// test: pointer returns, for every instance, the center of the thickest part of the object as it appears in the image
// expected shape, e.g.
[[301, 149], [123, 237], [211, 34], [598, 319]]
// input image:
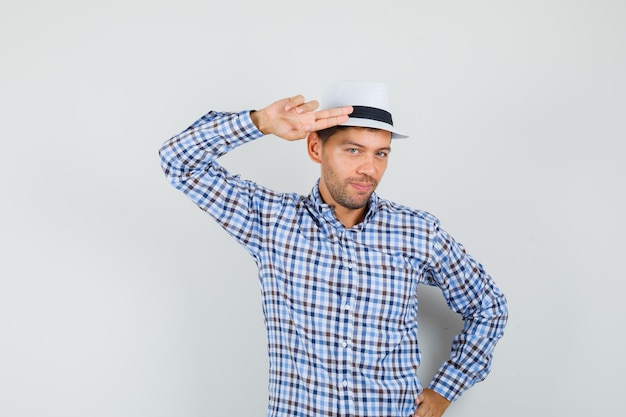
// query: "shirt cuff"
[[246, 126], [449, 382]]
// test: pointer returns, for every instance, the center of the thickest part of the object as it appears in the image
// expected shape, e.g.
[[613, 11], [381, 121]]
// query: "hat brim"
[[375, 124]]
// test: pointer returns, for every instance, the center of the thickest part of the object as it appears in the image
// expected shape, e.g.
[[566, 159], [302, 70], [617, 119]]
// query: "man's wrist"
[[259, 120]]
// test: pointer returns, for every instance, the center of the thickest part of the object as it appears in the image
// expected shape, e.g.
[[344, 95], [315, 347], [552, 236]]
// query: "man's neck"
[[349, 217]]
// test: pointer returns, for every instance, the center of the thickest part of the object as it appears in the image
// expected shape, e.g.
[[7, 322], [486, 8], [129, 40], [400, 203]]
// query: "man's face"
[[353, 161]]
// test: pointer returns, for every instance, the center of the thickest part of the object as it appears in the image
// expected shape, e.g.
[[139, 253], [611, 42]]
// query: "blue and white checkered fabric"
[[340, 304]]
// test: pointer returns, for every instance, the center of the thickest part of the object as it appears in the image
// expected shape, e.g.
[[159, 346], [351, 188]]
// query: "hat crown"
[[356, 93], [370, 102]]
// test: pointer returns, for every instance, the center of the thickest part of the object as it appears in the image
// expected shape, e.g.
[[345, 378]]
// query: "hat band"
[[365, 112]]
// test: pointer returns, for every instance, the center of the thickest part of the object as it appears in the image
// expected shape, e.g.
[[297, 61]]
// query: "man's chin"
[[356, 204]]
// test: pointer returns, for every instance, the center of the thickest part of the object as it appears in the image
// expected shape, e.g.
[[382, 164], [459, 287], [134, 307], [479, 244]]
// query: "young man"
[[340, 268]]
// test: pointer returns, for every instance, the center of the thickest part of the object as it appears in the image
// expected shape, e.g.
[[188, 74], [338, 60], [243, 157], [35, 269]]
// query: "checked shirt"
[[340, 304]]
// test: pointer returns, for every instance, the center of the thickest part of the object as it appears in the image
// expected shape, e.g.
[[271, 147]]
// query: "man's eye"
[[382, 154], [353, 150]]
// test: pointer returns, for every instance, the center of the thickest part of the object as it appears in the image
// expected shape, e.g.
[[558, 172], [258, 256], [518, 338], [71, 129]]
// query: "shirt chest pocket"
[[385, 290], [385, 302]]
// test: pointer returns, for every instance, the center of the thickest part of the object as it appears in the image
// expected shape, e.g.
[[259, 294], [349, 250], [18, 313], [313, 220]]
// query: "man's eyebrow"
[[358, 145]]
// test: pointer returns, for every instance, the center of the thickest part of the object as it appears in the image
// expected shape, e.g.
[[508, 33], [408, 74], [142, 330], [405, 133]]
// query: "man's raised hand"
[[293, 118]]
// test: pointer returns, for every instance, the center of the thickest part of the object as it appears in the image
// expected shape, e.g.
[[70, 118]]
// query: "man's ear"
[[314, 147]]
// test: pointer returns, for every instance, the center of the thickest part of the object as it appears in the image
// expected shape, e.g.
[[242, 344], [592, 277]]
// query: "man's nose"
[[367, 166]]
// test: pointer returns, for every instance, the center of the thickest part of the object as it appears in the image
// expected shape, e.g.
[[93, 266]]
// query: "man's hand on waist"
[[431, 404]]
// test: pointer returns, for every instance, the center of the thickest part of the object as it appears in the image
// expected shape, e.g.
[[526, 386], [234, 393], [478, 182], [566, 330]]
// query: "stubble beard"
[[339, 190]]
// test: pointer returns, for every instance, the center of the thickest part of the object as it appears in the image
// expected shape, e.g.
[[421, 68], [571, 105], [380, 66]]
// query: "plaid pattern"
[[340, 304]]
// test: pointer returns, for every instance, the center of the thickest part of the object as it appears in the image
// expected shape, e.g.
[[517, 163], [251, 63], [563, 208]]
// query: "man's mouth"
[[362, 186]]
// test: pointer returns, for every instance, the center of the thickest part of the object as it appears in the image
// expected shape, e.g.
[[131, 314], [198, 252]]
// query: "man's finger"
[[330, 122], [308, 106], [334, 112], [294, 101]]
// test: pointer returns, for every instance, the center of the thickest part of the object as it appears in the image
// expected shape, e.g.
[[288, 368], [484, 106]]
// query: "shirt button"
[[350, 265], [347, 307], [345, 344], [345, 383]]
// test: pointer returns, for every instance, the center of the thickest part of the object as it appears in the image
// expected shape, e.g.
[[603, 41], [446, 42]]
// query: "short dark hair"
[[324, 134]]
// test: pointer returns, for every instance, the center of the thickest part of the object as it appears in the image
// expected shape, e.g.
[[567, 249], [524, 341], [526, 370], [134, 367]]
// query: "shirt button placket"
[[348, 282]]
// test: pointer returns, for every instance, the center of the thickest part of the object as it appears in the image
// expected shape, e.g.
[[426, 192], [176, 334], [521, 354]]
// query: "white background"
[[118, 297]]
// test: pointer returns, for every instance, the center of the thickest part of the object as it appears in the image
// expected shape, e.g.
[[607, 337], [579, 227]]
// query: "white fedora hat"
[[370, 101]]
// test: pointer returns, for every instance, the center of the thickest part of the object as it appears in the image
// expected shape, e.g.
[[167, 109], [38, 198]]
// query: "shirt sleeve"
[[471, 292], [189, 163]]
